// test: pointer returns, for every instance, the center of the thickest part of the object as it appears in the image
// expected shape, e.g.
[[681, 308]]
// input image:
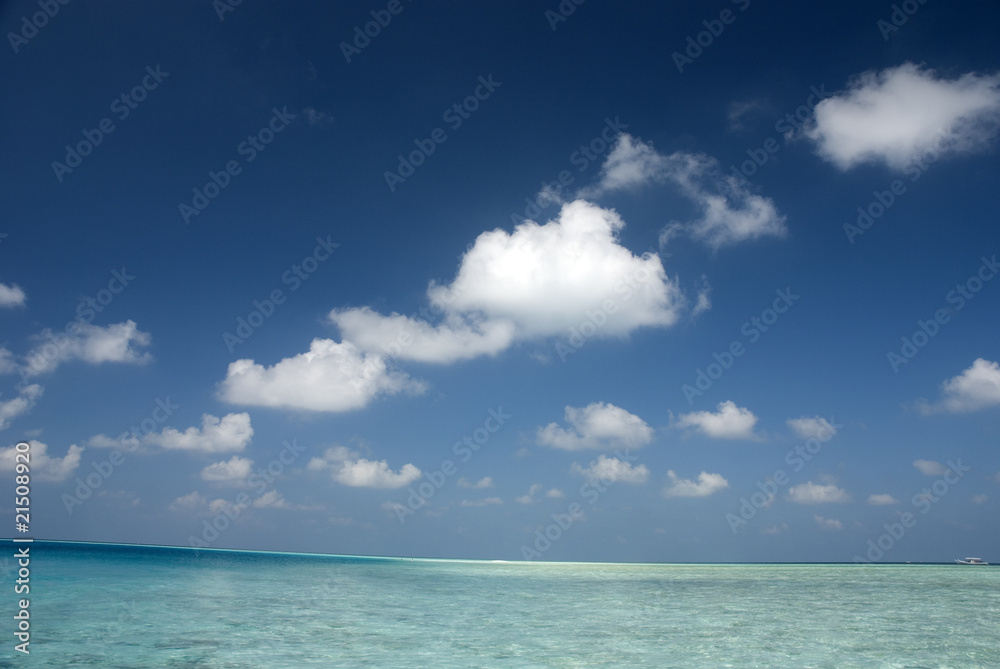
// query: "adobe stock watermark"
[[259, 480], [958, 296], [590, 491], [454, 116], [900, 14], [595, 319], [264, 309], [122, 107], [582, 158], [253, 145], [714, 28], [753, 330], [922, 501], [787, 126], [464, 449], [37, 21], [381, 18], [563, 11], [103, 470], [223, 7], [915, 167], [768, 489], [86, 310]]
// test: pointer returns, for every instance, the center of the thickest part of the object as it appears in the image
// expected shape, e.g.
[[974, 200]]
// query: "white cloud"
[[228, 434], [703, 487], [234, 471], [23, 403], [191, 502], [555, 493], [458, 338], [812, 428], [882, 500], [43, 466], [980, 499], [331, 377], [597, 425], [489, 501], [544, 278], [828, 523], [741, 109], [730, 212], [315, 117], [728, 217], [977, 387], [629, 165], [120, 342], [774, 529], [11, 296], [529, 498], [346, 467], [613, 470], [815, 493], [930, 467], [538, 281], [893, 115], [7, 363], [485, 482], [225, 506], [272, 499], [729, 422]]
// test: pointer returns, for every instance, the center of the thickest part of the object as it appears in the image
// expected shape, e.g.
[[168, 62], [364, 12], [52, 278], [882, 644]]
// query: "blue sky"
[[505, 280]]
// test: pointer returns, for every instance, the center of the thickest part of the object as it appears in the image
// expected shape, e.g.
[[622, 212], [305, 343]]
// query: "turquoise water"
[[106, 606]]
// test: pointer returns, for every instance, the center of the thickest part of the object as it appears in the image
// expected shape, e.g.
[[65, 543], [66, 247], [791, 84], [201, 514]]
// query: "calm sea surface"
[[96, 605]]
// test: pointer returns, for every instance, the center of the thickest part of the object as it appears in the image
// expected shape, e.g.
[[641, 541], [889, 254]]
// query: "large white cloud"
[[331, 377], [816, 493], [348, 468], [43, 466], [228, 434], [728, 422], [893, 115], [613, 470], [120, 342], [705, 485], [23, 403], [545, 278], [977, 387], [597, 425], [538, 281], [11, 296]]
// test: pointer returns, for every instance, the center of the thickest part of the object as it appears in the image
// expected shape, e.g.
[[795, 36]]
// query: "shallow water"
[[109, 606]]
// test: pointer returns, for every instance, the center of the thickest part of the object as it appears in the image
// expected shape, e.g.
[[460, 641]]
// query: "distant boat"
[[972, 560]]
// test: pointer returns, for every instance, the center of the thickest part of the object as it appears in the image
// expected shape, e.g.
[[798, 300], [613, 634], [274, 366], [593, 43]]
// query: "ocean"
[[101, 605]]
